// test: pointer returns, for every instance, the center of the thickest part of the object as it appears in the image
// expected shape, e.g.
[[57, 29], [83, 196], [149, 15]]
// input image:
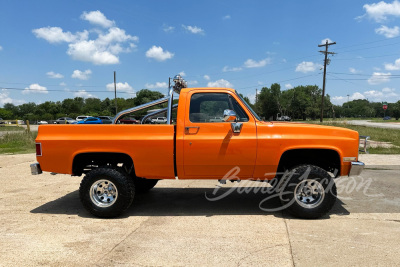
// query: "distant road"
[[387, 125]]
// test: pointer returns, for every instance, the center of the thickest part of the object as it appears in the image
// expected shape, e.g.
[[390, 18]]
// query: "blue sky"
[[52, 50]]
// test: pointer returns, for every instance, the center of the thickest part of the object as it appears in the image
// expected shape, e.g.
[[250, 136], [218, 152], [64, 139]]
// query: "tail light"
[[38, 149]]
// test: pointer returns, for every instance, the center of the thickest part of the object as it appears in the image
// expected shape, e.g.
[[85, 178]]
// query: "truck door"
[[211, 148]]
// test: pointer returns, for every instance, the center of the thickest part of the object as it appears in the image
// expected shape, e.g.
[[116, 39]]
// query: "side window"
[[209, 107]]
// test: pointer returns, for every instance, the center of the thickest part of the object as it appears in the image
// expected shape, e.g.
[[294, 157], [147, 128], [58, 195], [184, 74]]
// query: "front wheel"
[[106, 192], [309, 192]]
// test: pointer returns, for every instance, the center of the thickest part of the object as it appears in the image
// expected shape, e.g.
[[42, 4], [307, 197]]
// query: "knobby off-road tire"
[[143, 185], [106, 192], [309, 192]]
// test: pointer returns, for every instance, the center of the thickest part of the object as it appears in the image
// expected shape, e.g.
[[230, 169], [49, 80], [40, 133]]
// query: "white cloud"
[[1, 48], [373, 93], [157, 85], [388, 90], [226, 17], [326, 39], [35, 88], [4, 98], [167, 28], [81, 75], [250, 63], [288, 86], [228, 69], [353, 70], [158, 53], [97, 18], [57, 35], [379, 77], [102, 50], [121, 87], [386, 94], [395, 66], [53, 75], [220, 83], [193, 29], [307, 67], [388, 32], [63, 84], [84, 94], [252, 97], [206, 77], [192, 82], [182, 73], [380, 11]]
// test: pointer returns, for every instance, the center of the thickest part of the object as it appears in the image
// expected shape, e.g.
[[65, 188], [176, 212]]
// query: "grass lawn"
[[10, 128], [17, 142]]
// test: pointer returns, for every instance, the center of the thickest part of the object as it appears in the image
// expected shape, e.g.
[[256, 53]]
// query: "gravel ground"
[[43, 223]]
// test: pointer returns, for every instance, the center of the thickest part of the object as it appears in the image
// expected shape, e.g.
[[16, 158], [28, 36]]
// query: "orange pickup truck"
[[214, 132]]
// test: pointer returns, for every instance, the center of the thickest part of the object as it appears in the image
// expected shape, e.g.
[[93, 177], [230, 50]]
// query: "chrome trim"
[[236, 127], [229, 115], [147, 105], [356, 168], [35, 169], [170, 101]]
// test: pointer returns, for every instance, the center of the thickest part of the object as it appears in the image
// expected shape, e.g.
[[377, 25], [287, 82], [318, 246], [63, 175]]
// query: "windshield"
[[248, 106]]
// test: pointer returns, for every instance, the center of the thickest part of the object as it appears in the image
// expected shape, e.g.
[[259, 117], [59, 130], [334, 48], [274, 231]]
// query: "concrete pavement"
[[43, 223], [386, 125]]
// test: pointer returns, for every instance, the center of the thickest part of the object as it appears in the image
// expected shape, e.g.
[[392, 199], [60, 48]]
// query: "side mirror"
[[229, 115]]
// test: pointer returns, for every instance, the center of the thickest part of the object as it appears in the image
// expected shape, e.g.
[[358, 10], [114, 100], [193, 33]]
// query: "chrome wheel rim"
[[309, 193], [103, 193]]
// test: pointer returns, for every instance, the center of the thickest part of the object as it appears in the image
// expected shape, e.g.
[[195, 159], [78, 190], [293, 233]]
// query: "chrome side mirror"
[[229, 115]]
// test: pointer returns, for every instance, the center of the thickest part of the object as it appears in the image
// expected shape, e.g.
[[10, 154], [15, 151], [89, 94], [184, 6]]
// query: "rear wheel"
[[106, 192], [309, 192]]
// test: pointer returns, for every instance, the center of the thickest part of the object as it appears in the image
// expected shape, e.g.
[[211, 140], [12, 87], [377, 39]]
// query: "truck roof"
[[207, 88]]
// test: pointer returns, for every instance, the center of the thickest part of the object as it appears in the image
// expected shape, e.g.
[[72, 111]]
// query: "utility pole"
[[325, 63], [115, 92]]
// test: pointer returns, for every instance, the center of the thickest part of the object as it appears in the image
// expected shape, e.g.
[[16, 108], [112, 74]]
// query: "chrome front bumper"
[[35, 169], [356, 168]]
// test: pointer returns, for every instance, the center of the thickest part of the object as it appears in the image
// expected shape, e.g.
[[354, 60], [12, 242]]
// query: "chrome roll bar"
[[147, 105], [156, 113]]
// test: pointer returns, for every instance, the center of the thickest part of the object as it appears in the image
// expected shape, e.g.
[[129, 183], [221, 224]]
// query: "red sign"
[[385, 107]]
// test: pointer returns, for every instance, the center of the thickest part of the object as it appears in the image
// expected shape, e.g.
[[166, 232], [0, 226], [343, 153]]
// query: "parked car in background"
[[106, 119], [386, 118], [283, 118], [159, 120], [42, 122], [90, 120], [129, 120], [82, 117], [2, 122], [64, 120]]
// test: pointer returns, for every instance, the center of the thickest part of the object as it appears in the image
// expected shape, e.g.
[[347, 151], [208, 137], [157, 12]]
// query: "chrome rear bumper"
[[35, 169], [356, 168]]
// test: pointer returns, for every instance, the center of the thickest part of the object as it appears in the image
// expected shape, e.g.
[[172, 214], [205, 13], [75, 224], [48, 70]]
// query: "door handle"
[[192, 130]]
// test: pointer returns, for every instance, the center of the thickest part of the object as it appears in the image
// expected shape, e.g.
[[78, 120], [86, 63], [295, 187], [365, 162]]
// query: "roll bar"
[[179, 84]]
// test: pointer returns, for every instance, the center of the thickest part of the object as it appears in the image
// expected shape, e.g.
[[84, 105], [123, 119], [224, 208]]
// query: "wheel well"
[[326, 159], [86, 162]]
